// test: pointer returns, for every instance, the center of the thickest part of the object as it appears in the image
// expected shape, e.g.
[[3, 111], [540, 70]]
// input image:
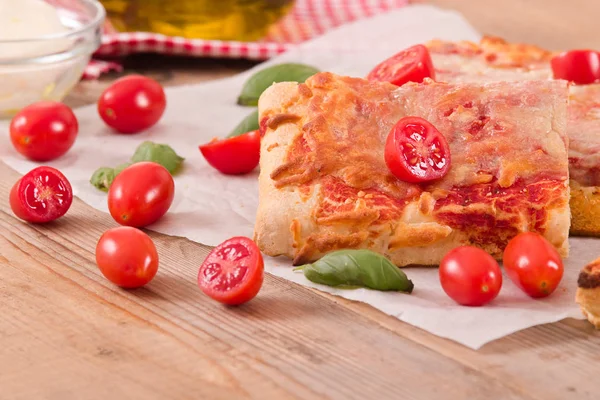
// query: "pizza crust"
[[585, 208]]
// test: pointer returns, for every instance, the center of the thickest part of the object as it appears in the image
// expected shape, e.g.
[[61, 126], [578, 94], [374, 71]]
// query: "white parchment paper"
[[210, 207]]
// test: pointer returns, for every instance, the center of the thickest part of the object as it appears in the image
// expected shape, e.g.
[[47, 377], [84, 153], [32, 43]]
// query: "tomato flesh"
[[470, 276], [141, 194], [44, 131], [233, 156], [578, 66], [415, 151], [132, 104], [411, 65], [233, 272], [42, 195], [127, 257], [533, 264]]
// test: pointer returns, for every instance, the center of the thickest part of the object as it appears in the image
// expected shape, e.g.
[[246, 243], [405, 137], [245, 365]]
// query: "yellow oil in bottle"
[[244, 20]]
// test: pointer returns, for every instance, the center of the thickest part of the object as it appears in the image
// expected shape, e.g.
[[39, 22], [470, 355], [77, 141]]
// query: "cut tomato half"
[[416, 151], [42, 195], [233, 156], [233, 272], [411, 65]]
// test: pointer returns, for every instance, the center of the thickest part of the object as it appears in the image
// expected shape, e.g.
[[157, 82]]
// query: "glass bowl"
[[47, 67]]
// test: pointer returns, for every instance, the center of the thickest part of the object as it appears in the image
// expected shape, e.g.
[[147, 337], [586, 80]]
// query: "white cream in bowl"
[[35, 65]]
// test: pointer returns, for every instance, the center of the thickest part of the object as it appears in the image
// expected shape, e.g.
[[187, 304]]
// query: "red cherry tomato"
[[415, 151], [410, 65], [470, 276], [233, 156], [44, 131], [577, 66], [132, 104], [127, 257], [42, 195], [533, 264], [141, 194], [233, 272]]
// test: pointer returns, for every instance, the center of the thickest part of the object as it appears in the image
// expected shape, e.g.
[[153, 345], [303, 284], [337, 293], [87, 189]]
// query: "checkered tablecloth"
[[308, 18]]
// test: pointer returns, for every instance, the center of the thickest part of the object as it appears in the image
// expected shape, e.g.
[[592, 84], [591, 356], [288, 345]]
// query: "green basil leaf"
[[159, 153], [362, 268], [102, 178], [147, 151], [250, 123], [261, 80]]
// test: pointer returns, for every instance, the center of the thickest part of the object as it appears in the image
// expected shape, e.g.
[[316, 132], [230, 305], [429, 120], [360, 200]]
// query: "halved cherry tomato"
[[132, 104], [141, 194], [533, 264], [578, 66], [233, 156], [127, 257], [233, 272], [42, 195], [470, 276], [411, 65], [44, 131], [415, 151]]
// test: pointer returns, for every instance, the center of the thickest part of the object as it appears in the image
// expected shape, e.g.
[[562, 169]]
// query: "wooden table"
[[67, 333]]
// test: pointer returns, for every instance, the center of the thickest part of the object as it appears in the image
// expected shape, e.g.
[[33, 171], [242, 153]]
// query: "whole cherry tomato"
[[410, 65], [533, 264], [470, 276], [42, 195], [141, 194], [127, 257], [44, 131], [132, 104], [233, 156], [233, 272], [577, 66], [415, 151]]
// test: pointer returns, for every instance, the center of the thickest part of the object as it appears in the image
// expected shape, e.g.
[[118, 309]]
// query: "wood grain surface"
[[67, 333]]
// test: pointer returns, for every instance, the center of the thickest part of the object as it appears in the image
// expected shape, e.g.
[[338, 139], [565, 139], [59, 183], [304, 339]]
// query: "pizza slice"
[[324, 184], [588, 292], [494, 59], [583, 127]]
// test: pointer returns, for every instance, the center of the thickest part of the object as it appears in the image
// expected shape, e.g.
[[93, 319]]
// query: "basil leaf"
[[261, 80], [103, 178], [250, 123], [159, 153], [362, 268], [147, 151]]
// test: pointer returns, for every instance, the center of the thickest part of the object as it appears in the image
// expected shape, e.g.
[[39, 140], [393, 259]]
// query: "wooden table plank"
[[68, 333], [553, 24], [75, 335]]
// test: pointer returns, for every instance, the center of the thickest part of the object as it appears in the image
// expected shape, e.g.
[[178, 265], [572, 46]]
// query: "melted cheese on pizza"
[[508, 173], [493, 59]]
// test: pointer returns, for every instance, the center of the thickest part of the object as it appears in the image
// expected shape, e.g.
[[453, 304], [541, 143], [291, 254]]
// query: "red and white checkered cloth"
[[308, 18]]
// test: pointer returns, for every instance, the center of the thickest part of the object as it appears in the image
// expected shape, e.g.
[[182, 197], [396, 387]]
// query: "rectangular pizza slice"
[[583, 127], [324, 183], [494, 59]]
